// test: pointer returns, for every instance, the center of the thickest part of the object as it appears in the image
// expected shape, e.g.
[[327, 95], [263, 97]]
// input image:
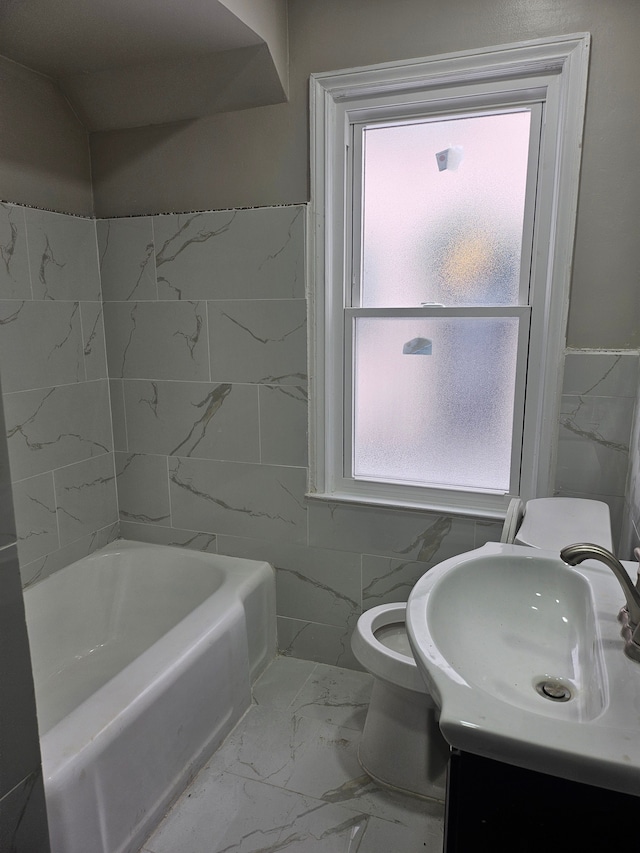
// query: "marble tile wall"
[[600, 392], [55, 388], [631, 524], [205, 320], [23, 818], [206, 343]]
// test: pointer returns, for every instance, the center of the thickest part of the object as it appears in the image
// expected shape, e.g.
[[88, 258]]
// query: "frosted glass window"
[[434, 400], [442, 210]]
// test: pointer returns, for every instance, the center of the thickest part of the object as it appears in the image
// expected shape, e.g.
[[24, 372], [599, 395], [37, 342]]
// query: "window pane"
[[433, 400], [450, 236]]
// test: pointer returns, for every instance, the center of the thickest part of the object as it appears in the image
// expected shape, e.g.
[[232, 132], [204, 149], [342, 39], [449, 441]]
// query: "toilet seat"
[[381, 660], [512, 521]]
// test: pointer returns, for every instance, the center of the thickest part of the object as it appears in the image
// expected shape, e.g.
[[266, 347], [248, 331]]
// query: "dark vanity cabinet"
[[492, 806]]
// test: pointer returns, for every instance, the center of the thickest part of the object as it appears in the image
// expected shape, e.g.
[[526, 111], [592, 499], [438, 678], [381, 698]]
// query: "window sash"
[[344, 415], [354, 182], [352, 293]]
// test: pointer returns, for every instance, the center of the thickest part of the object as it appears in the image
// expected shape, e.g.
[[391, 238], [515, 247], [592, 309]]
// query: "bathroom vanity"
[[505, 809], [525, 657]]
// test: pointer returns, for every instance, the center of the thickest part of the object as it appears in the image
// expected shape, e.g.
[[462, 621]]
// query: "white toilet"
[[552, 523], [401, 744]]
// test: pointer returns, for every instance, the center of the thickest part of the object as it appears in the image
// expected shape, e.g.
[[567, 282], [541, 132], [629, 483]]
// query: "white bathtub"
[[143, 658]]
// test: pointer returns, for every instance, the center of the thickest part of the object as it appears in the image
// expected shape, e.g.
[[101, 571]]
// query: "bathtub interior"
[[94, 617]]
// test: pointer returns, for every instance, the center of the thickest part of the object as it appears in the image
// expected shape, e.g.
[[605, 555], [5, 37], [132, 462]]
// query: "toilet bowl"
[[401, 744]]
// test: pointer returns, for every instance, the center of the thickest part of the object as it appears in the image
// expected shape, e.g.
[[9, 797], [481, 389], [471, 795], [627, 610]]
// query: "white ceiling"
[[174, 56]]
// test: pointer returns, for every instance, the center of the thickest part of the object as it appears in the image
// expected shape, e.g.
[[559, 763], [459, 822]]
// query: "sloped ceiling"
[[130, 63]]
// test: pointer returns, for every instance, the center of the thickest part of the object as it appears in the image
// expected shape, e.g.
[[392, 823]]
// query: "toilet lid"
[[552, 523]]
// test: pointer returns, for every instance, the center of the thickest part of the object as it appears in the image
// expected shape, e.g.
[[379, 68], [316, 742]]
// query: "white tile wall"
[[630, 538], [205, 321], [56, 393], [594, 434]]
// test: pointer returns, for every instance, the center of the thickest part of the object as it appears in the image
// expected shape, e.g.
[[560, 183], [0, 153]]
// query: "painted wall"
[[44, 150], [260, 156], [267, 19]]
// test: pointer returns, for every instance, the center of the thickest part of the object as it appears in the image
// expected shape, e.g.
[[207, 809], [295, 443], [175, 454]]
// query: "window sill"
[[484, 506]]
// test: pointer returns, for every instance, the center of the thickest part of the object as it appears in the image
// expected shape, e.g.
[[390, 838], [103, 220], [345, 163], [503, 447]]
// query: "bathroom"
[[137, 181]]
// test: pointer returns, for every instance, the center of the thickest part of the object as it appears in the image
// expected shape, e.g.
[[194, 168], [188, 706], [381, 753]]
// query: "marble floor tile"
[[281, 682], [302, 755], [288, 779], [336, 696], [223, 813], [364, 795]]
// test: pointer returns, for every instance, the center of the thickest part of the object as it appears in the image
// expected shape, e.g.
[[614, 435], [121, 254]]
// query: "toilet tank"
[[552, 523]]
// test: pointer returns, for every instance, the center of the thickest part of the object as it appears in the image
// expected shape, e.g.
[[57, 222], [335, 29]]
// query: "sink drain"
[[554, 690]]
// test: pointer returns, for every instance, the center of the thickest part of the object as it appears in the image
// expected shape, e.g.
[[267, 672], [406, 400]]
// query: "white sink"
[[495, 630]]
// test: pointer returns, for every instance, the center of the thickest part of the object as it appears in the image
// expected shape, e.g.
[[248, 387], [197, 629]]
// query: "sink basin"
[[523, 656], [520, 622]]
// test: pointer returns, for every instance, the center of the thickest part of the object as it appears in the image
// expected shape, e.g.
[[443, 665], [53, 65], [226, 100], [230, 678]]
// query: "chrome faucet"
[[629, 615]]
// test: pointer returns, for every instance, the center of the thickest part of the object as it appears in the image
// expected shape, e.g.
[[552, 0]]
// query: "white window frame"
[[549, 71]]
